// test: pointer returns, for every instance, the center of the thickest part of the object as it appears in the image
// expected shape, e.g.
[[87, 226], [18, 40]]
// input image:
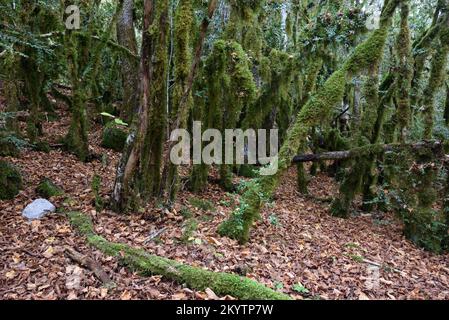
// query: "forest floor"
[[296, 247]]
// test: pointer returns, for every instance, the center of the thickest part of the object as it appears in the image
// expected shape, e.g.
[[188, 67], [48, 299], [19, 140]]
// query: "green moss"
[[414, 188], [202, 204], [42, 146], [193, 277], [247, 171], [96, 186], [48, 189], [8, 148], [312, 114], [437, 74], [114, 138], [10, 181], [405, 71], [302, 180], [189, 228], [230, 88], [368, 53]]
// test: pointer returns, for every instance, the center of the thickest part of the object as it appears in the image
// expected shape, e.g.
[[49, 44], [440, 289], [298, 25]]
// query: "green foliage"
[[274, 220], [188, 231], [202, 204], [247, 171], [414, 189], [10, 145], [299, 288], [48, 189], [114, 137], [10, 181], [96, 188]]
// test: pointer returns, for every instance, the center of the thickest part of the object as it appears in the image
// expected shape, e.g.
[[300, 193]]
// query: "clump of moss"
[[190, 226], [11, 144], [10, 181], [42, 146], [193, 277], [8, 148], [247, 171], [98, 200], [47, 189], [202, 204], [114, 138]]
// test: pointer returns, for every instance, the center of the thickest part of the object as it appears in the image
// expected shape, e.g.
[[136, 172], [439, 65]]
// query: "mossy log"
[[195, 278], [367, 150]]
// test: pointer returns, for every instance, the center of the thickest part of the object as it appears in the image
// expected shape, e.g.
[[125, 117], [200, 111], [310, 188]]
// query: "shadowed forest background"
[[91, 207]]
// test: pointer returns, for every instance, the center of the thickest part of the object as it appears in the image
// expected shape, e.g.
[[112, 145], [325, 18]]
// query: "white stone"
[[38, 208]]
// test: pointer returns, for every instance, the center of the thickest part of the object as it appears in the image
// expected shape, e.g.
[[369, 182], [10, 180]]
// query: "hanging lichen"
[[437, 73], [318, 107], [405, 71], [413, 190]]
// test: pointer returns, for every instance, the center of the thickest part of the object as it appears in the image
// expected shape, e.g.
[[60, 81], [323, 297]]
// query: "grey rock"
[[38, 209]]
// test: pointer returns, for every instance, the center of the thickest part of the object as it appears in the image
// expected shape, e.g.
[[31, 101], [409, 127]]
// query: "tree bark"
[[126, 37], [123, 197], [366, 150]]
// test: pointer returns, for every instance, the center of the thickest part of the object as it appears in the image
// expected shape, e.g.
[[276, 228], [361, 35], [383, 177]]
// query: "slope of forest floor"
[[296, 248]]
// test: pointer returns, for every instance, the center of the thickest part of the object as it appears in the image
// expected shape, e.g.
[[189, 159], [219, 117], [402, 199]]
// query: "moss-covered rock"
[[10, 181], [47, 189], [8, 148], [193, 277], [114, 138]]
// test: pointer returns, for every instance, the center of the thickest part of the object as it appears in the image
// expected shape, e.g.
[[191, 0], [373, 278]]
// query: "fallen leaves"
[[74, 275], [49, 252], [306, 247]]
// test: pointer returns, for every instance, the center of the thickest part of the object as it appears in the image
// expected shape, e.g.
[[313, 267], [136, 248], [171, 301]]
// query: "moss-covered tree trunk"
[[309, 89], [126, 37], [319, 106], [187, 65], [446, 107], [422, 49], [436, 80], [405, 72], [138, 173]]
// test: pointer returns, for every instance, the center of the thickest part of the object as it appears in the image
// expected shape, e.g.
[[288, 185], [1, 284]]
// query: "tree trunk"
[[126, 37], [365, 55], [170, 173]]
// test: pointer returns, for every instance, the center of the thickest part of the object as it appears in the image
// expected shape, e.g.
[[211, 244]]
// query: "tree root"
[[195, 278]]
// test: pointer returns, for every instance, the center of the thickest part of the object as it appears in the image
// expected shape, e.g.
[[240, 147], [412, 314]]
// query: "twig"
[[376, 264], [154, 235], [91, 264]]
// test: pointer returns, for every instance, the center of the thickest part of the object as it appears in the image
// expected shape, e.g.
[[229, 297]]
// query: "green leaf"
[[107, 115], [300, 288], [120, 122]]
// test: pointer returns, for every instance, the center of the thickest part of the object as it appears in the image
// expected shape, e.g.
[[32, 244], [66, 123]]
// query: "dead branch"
[[436, 146], [91, 264]]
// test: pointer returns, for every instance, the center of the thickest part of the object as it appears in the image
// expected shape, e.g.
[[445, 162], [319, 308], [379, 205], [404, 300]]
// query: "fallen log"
[[435, 146], [195, 278], [90, 264]]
